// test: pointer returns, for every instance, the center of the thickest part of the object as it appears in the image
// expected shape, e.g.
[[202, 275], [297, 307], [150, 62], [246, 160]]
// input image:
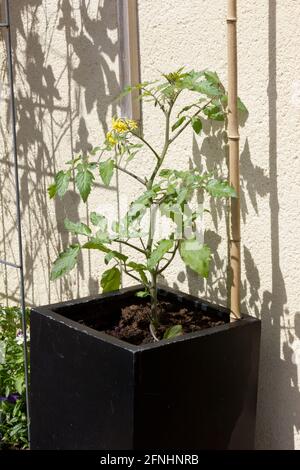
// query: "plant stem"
[[140, 180], [153, 294], [131, 246], [170, 260], [189, 121], [146, 143]]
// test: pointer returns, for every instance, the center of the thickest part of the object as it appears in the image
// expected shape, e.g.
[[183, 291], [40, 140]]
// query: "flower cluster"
[[120, 127]]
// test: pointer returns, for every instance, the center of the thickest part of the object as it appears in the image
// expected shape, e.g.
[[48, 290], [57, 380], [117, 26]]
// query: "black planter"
[[92, 391]]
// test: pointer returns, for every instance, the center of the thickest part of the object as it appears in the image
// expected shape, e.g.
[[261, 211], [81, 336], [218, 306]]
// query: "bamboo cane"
[[234, 172]]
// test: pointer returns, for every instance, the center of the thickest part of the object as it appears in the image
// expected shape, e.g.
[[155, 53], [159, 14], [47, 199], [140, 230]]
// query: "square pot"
[[90, 390]]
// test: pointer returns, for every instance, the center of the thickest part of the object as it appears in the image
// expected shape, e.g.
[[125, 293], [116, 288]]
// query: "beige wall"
[[67, 70]]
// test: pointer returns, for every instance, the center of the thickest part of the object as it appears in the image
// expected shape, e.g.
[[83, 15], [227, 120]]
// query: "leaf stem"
[[146, 143], [129, 173], [131, 246], [189, 121]]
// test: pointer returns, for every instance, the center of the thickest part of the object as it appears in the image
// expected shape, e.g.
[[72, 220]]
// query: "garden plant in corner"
[[167, 190]]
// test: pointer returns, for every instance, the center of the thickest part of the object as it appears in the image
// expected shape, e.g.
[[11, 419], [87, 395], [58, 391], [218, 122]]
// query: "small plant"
[[166, 190], [13, 422]]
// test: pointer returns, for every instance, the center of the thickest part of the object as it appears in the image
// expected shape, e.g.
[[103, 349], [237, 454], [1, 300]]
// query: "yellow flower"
[[131, 124], [123, 125], [119, 126], [110, 138]]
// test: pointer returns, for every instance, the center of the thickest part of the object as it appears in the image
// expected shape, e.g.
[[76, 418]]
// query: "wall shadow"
[[278, 413], [54, 96], [279, 395]]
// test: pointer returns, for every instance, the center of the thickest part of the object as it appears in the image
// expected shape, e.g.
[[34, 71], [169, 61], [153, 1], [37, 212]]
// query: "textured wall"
[[67, 70]]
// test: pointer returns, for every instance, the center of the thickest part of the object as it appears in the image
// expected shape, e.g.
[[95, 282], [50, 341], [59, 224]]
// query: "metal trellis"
[[20, 267]]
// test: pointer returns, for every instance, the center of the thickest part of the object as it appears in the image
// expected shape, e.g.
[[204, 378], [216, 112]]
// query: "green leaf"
[[142, 294], [207, 88], [19, 384], [197, 125], [62, 181], [196, 256], [173, 331], [115, 255], [139, 268], [158, 253], [61, 184], [212, 77], [52, 189], [65, 262], [111, 280], [215, 113], [241, 106], [95, 244], [84, 180], [165, 173], [98, 220], [77, 227], [178, 123], [106, 170], [218, 188]]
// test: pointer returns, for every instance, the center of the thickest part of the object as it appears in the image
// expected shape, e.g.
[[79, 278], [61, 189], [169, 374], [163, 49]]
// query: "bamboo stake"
[[234, 171]]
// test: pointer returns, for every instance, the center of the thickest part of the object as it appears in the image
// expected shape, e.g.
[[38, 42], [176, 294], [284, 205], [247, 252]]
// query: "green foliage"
[[111, 279], [13, 422], [197, 124], [106, 170], [60, 185], [77, 228], [65, 262], [173, 331], [84, 180], [169, 191], [159, 252], [196, 256]]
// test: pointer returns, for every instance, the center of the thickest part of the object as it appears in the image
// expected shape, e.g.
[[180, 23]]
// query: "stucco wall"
[[66, 64]]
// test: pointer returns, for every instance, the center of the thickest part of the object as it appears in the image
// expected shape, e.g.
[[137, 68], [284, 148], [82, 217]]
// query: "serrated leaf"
[[173, 331], [65, 262], [207, 88], [158, 253], [77, 227], [115, 255], [106, 170], [62, 180], [98, 220], [197, 125], [178, 123], [84, 180], [212, 77], [215, 113], [218, 188], [111, 280], [196, 256]]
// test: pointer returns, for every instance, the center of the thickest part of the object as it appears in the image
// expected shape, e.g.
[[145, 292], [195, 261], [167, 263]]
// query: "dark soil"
[[133, 325]]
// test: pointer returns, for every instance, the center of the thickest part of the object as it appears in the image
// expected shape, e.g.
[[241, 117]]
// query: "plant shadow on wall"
[[54, 90], [279, 395]]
